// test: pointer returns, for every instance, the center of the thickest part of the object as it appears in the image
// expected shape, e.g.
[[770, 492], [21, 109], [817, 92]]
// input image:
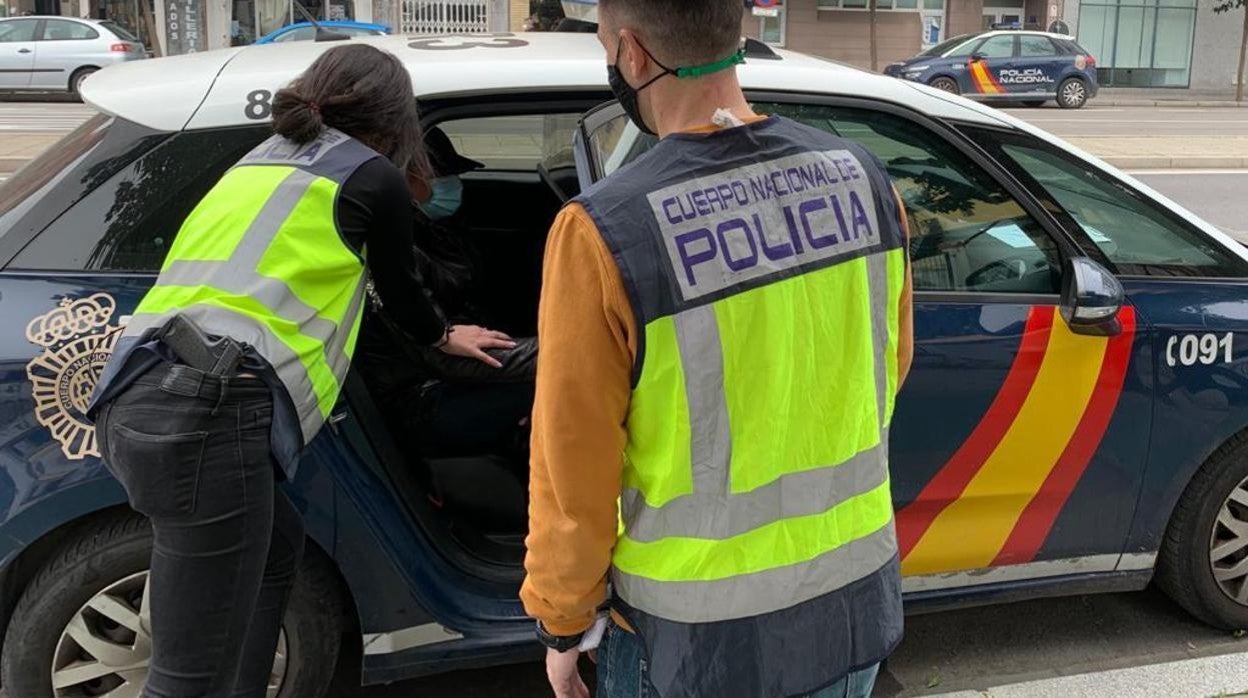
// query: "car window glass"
[[966, 232], [998, 47], [1031, 46], [128, 223], [121, 32], [62, 30], [356, 31], [963, 50], [300, 34], [18, 30], [515, 143], [1137, 235]]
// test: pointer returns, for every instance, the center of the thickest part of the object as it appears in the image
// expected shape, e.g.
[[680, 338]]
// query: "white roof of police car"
[[210, 89]]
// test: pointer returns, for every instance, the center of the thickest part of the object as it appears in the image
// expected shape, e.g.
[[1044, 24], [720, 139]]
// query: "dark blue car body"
[[1003, 66]]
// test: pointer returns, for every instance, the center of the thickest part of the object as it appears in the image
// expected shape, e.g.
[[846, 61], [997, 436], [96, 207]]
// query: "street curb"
[[1182, 162], [1097, 102]]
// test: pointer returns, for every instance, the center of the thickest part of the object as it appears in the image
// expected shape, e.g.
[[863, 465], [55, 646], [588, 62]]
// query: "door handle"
[[23, 50]]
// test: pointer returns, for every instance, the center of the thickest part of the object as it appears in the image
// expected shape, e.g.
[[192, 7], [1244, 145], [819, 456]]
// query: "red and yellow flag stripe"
[[996, 499], [985, 82]]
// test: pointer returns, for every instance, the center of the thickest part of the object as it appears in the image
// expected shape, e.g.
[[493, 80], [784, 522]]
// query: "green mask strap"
[[698, 71]]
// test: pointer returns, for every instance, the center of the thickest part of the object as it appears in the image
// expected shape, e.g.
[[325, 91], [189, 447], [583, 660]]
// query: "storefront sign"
[[184, 26], [767, 8]]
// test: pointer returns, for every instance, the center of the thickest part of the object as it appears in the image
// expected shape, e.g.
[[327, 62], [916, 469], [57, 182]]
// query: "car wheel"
[[946, 85], [80, 628], [1072, 93], [1203, 563], [1033, 103], [75, 80]]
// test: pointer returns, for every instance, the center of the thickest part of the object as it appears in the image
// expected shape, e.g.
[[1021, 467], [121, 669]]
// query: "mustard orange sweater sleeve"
[[587, 343]]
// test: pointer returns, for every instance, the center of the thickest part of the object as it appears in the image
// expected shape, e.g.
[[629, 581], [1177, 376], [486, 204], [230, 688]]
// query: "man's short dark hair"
[[680, 33]]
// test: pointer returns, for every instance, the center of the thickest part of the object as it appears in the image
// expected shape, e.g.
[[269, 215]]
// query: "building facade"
[[1137, 43]]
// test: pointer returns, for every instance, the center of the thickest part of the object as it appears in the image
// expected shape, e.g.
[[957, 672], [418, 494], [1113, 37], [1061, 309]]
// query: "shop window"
[[883, 5], [1139, 43]]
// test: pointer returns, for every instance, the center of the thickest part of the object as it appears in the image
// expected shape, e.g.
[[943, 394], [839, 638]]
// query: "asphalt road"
[[1218, 196], [979, 650]]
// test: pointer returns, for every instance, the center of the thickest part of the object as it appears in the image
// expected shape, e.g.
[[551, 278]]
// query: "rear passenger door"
[[1014, 439], [1037, 68]]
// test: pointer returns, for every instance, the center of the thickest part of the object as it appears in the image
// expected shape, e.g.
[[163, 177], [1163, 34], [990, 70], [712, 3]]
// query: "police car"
[[1074, 422], [999, 66]]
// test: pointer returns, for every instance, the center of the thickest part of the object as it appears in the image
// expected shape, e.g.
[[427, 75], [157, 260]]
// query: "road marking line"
[[1187, 678]]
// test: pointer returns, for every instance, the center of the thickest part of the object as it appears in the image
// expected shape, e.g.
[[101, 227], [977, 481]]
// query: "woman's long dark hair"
[[362, 91]]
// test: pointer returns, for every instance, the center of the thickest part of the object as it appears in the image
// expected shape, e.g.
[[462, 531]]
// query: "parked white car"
[[58, 53]]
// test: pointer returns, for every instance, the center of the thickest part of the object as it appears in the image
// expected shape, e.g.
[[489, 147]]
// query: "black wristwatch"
[[558, 643]]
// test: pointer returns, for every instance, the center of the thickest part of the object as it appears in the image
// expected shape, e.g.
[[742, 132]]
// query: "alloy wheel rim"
[[106, 647], [946, 85], [1074, 92], [1228, 545]]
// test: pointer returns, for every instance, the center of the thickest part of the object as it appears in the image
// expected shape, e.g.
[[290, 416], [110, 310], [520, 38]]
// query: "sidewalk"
[[17, 147], [1166, 97], [1167, 152]]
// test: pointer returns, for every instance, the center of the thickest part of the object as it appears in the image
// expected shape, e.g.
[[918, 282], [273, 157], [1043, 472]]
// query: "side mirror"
[[1091, 298], [977, 56]]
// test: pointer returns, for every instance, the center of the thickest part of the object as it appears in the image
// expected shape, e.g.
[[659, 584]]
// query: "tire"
[[1072, 93], [75, 80], [1033, 103], [112, 556], [1185, 568], [946, 84]]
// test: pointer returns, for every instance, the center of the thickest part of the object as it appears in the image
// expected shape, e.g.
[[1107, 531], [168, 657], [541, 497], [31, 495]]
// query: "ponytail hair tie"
[[314, 108]]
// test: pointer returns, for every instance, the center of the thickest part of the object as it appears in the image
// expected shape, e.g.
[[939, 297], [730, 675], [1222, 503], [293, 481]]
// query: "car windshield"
[[942, 47], [121, 32]]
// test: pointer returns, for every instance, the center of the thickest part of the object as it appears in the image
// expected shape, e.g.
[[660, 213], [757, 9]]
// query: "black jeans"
[[228, 542]]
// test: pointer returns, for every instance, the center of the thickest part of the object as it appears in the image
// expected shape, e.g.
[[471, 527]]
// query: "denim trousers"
[[623, 672], [228, 542]]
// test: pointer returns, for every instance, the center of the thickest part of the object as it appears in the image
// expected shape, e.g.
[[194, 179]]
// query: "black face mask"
[[627, 94]]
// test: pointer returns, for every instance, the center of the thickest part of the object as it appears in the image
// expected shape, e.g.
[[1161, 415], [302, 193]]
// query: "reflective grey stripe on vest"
[[712, 510], [761, 592], [712, 516], [237, 275], [333, 156], [789, 652]]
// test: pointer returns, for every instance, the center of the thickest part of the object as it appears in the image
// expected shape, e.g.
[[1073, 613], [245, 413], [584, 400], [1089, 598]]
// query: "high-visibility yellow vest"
[[765, 265], [261, 260]]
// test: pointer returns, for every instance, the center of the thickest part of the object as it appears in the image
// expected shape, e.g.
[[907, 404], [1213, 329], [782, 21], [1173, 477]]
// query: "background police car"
[[1000, 66], [1023, 463]]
